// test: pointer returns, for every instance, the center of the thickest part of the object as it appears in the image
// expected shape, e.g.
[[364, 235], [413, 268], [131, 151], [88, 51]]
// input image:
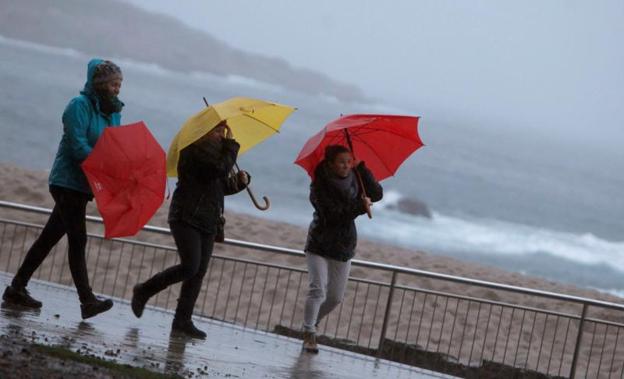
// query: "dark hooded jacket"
[[204, 178], [332, 232]]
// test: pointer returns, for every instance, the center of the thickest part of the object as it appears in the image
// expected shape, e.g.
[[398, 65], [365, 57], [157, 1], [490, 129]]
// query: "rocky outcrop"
[[412, 207]]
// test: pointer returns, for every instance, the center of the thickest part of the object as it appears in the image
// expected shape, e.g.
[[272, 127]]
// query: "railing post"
[[578, 341], [386, 314]]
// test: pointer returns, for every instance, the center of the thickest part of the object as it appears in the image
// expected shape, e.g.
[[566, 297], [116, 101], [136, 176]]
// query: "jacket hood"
[[89, 90], [88, 87]]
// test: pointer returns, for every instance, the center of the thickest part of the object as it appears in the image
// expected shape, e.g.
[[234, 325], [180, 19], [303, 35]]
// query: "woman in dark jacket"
[[195, 215], [337, 199]]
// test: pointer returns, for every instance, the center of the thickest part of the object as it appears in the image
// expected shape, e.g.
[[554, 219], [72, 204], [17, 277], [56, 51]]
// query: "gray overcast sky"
[[543, 64]]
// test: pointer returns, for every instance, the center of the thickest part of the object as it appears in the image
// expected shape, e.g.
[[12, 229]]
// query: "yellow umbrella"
[[251, 120]]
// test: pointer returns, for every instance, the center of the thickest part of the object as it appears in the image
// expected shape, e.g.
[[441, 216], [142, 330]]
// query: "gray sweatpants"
[[327, 283]]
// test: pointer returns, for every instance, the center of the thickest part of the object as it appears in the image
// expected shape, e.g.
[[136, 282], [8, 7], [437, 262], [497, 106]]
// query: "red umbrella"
[[382, 141], [126, 171]]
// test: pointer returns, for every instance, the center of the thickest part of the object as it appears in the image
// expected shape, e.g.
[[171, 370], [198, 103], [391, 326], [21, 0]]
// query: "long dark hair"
[[332, 151]]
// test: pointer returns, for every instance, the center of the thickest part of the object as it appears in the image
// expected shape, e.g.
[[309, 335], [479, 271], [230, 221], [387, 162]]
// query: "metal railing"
[[437, 321]]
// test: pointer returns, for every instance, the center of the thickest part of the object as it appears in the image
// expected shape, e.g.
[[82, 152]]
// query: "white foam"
[[390, 199], [614, 292], [148, 68], [444, 233], [63, 51], [253, 83]]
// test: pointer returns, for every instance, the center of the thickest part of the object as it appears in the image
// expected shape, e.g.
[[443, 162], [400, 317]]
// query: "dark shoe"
[[188, 328], [309, 342], [20, 296], [95, 307], [138, 301]]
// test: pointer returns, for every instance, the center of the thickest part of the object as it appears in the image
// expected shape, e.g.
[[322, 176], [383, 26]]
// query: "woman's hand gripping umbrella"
[[267, 202], [384, 142], [250, 120]]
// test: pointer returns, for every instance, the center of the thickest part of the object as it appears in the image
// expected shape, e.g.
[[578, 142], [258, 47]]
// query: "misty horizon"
[[547, 68]]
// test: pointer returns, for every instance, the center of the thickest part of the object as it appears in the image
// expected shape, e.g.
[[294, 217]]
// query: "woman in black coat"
[[337, 199], [195, 217]]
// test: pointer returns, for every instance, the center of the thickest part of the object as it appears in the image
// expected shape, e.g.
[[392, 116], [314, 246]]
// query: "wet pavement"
[[229, 351]]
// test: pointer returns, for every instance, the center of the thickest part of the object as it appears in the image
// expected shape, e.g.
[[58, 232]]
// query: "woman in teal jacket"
[[84, 120]]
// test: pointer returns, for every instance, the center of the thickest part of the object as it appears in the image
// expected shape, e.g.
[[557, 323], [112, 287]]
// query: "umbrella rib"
[[151, 190], [389, 131], [377, 154], [124, 152], [335, 138], [363, 133], [386, 131], [261, 122]]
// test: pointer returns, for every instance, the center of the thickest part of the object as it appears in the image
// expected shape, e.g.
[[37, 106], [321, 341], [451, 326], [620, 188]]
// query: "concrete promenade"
[[229, 350]]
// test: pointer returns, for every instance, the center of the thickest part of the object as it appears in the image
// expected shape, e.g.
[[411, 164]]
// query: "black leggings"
[[195, 250], [68, 217]]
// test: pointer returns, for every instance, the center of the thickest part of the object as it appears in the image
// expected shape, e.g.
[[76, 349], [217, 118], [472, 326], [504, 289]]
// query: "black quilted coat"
[[204, 178], [332, 232]]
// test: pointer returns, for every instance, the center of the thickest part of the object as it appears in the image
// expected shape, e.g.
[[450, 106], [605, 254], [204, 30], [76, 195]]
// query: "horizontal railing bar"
[[603, 322], [94, 235], [379, 266], [257, 263], [486, 301], [162, 247], [368, 281]]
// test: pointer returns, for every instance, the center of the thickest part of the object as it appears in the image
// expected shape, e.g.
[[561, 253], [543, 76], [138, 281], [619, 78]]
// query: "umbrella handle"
[[357, 173], [368, 211], [267, 202], [367, 207]]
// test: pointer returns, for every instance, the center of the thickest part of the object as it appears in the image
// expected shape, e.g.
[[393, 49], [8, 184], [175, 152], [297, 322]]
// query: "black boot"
[[188, 328], [139, 299], [20, 296], [95, 307]]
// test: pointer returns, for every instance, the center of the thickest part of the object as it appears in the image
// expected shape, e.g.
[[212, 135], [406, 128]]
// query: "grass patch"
[[124, 370]]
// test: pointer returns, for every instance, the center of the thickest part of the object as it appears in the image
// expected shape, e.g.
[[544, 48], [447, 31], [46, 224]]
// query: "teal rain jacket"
[[83, 123]]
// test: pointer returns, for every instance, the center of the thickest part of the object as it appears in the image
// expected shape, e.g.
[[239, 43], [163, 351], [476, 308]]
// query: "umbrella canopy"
[[126, 172], [251, 121], [384, 142]]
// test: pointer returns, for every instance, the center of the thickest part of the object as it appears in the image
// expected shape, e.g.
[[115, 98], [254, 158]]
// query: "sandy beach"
[[30, 187]]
